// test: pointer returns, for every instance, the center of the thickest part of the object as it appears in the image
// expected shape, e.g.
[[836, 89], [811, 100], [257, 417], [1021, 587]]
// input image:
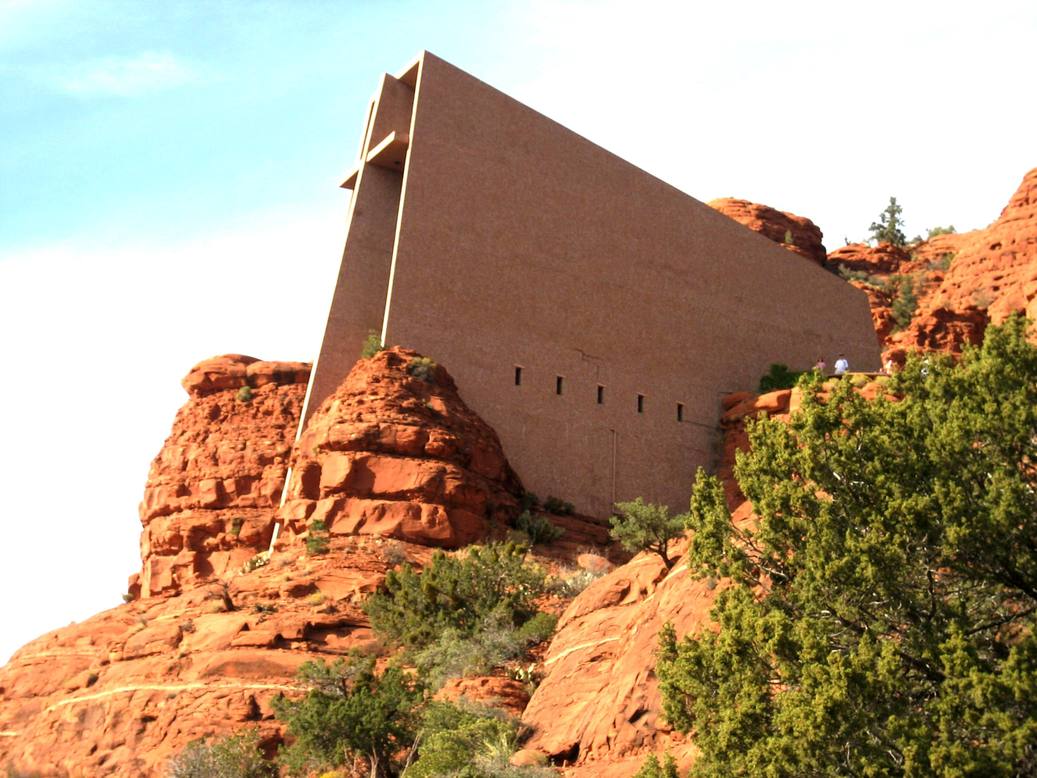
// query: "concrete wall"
[[520, 243]]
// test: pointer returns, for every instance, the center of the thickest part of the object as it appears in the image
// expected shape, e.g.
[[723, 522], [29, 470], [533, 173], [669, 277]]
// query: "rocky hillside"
[[393, 463]]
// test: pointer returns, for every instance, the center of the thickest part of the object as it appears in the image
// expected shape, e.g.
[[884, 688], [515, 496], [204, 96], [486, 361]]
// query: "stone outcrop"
[[124, 691], [214, 487], [962, 282], [795, 233], [395, 452]]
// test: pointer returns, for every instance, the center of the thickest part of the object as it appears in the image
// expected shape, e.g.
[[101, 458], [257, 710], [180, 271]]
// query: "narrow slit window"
[[680, 411], [558, 384], [518, 376], [601, 394], [640, 403]]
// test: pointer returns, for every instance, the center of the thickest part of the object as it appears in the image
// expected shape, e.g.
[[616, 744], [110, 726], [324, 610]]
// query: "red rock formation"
[[210, 498], [398, 454], [996, 269], [123, 692], [883, 260], [962, 282], [795, 233]]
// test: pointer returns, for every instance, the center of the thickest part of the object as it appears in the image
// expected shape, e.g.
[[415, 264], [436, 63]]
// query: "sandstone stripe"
[[580, 647], [181, 687]]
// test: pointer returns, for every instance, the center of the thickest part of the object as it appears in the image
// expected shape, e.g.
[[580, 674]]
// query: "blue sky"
[[169, 172], [166, 117]]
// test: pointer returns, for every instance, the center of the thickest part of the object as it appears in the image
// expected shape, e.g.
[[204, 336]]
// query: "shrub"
[[128, 597], [653, 769], [493, 643], [412, 608], [465, 741], [372, 345], [256, 562], [317, 540], [558, 506], [349, 710], [934, 231], [570, 583], [779, 377], [237, 756], [641, 526], [422, 367], [862, 276], [529, 501], [905, 304], [235, 525], [538, 528], [245, 394], [788, 240]]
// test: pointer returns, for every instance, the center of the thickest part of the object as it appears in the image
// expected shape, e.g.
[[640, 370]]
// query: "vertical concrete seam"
[[403, 198]]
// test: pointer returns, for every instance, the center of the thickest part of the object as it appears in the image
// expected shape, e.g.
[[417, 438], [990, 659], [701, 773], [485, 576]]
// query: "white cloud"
[[95, 342], [821, 108], [134, 76]]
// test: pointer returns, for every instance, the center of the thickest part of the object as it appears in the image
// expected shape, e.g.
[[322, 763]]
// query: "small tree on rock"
[[641, 526], [890, 226]]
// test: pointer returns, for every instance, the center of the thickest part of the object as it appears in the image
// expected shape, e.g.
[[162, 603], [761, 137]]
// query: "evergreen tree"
[[880, 617], [890, 226], [641, 526]]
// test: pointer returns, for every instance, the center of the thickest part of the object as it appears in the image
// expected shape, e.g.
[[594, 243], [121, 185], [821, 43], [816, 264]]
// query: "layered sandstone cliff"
[[213, 488]]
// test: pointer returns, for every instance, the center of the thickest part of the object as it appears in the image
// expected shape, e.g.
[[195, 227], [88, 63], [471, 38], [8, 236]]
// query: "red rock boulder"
[[395, 452], [795, 233]]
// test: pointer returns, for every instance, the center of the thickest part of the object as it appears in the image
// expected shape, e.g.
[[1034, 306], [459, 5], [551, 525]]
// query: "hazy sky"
[[169, 171]]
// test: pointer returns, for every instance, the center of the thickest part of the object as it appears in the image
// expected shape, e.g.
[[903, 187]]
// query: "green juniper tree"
[[890, 226], [880, 618], [641, 526]]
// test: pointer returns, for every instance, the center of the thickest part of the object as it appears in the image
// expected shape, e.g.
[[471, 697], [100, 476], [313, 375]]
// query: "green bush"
[[880, 615], [529, 501], [413, 608], [538, 528], [237, 756], [558, 506], [905, 304], [372, 345], [788, 239], [317, 539], [493, 643], [464, 741], [235, 526], [641, 526], [245, 394], [422, 367], [934, 231], [778, 377], [653, 769], [349, 710], [866, 278], [572, 582]]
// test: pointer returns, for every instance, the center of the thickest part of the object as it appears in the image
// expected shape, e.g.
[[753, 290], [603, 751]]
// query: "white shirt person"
[[841, 365]]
